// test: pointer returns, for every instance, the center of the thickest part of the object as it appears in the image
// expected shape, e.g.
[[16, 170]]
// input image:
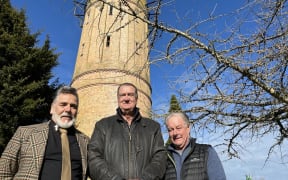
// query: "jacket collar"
[[137, 116]]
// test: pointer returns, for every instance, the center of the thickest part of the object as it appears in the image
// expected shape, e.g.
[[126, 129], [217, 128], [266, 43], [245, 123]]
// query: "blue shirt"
[[214, 165]]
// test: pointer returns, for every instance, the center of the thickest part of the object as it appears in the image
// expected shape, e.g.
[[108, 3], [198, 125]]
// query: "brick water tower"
[[113, 49]]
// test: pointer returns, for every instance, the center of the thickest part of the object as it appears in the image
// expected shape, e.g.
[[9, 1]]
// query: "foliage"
[[174, 105], [248, 177], [25, 70]]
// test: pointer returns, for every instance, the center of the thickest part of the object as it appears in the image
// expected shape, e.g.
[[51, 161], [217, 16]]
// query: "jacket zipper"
[[171, 159], [129, 151]]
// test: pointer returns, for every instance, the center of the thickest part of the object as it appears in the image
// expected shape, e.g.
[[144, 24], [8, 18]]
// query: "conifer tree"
[[174, 105], [25, 71]]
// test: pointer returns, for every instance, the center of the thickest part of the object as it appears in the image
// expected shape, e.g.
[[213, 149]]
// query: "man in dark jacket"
[[126, 146], [187, 159]]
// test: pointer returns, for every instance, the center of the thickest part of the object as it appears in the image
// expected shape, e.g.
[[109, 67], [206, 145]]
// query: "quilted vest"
[[194, 166]]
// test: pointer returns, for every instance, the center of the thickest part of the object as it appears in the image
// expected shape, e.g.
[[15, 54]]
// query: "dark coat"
[[117, 151]]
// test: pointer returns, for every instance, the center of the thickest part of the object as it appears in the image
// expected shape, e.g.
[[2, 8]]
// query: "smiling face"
[[179, 131], [127, 98], [64, 110]]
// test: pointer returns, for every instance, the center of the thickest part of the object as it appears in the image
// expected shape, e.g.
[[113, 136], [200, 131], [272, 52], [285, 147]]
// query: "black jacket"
[[117, 151]]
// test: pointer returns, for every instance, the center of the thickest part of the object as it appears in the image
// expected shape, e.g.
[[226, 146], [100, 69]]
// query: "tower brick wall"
[[113, 49]]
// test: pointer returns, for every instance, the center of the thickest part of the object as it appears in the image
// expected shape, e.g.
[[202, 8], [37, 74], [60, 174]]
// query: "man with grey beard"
[[37, 152]]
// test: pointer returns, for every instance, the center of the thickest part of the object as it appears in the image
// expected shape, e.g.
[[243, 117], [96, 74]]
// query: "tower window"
[[108, 41], [111, 10]]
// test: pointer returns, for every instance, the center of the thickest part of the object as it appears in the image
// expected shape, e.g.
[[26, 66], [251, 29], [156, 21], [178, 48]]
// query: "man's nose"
[[67, 108], [174, 132]]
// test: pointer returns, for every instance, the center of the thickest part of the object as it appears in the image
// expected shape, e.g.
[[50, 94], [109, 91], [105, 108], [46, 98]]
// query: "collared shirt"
[[52, 164]]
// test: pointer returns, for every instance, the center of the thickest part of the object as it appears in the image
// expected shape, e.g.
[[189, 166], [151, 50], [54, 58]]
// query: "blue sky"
[[55, 18]]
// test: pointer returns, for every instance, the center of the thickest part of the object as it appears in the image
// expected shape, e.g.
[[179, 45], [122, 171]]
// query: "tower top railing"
[[81, 5]]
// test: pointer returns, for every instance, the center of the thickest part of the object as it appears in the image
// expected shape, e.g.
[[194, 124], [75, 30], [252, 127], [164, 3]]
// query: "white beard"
[[65, 125]]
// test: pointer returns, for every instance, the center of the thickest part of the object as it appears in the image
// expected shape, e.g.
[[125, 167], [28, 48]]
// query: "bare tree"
[[235, 76]]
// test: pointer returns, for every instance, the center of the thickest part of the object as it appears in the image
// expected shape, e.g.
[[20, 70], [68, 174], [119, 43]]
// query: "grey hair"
[[182, 115], [66, 90]]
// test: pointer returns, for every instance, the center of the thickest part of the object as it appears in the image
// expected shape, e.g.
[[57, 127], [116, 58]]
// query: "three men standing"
[[125, 146]]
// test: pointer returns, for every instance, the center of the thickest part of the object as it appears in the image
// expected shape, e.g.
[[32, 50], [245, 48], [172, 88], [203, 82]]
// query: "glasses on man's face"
[[126, 94]]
